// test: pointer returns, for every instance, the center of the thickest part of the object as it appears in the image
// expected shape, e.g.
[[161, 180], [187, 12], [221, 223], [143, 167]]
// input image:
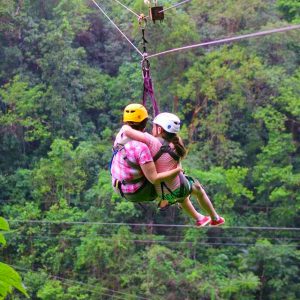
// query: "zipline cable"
[[56, 236], [63, 233], [226, 40], [21, 269], [137, 15], [173, 6], [238, 243], [123, 34], [266, 207], [207, 244], [151, 225], [261, 207]]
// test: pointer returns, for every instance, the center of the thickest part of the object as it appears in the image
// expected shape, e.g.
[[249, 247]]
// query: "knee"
[[198, 187]]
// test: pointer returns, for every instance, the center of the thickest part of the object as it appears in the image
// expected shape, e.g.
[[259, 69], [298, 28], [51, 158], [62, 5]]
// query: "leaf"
[[4, 224], [2, 240], [10, 278]]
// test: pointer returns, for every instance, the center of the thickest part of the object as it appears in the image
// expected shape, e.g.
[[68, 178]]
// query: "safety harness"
[[165, 148], [118, 183]]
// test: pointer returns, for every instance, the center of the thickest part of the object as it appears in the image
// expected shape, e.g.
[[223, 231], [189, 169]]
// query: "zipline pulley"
[[156, 12]]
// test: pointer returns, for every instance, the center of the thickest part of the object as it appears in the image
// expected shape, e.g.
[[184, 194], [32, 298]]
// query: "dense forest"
[[66, 74]]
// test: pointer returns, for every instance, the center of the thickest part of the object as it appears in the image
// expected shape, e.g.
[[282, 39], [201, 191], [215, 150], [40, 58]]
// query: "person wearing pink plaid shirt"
[[132, 167]]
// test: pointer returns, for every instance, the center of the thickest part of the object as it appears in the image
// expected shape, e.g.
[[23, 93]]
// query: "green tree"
[[290, 9]]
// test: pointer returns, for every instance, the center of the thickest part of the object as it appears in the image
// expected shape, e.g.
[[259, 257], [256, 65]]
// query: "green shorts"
[[180, 194], [145, 193]]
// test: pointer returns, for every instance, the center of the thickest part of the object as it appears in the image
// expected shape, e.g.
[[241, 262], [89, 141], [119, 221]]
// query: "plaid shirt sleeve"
[[143, 154]]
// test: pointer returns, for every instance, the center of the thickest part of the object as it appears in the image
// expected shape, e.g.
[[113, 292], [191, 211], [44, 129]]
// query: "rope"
[[150, 225], [128, 8], [174, 6], [226, 40], [117, 28]]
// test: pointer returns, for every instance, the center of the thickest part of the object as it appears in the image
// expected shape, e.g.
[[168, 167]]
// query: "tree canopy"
[[65, 76]]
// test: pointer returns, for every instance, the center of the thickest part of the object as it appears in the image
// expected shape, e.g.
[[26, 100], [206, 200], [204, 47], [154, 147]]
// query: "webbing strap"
[[148, 87], [163, 185], [132, 181], [165, 148], [120, 147], [117, 183]]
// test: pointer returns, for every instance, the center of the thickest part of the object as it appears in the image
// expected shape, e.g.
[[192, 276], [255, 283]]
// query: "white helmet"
[[169, 122]]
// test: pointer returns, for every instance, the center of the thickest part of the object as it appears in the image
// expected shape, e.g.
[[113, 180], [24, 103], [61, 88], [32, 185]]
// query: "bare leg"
[[190, 209], [203, 200]]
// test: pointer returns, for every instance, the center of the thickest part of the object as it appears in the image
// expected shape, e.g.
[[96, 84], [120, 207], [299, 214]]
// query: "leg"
[[203, 200], [190, 209]]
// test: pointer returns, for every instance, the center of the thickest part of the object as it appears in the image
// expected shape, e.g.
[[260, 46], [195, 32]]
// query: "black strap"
[[117, 183], [120, 147], [163, 185], [132, 181], [165, 148]]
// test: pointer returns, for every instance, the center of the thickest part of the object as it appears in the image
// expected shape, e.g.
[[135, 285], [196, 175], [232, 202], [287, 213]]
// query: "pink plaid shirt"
[[135, 152]]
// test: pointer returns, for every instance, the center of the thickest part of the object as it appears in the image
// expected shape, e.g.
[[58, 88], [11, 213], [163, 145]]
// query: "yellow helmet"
[[135, 113]]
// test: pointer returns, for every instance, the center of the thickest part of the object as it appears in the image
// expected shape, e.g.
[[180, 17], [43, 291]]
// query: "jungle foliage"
[[65, 76]]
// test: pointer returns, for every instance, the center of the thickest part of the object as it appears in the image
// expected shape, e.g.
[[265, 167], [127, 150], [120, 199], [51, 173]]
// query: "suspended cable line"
[[207, 244], [151, 225], [106, 289], [226, 40], [173, 6], [21, 269], [265, 207], [137, 15], [56, 236], [123, 34], [250, 240]]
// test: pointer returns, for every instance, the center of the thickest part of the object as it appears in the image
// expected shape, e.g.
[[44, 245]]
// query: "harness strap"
[[148, 86], [165, 148], [118, 183], [130, 163], [120, 147], [181, 186], [132, 181]]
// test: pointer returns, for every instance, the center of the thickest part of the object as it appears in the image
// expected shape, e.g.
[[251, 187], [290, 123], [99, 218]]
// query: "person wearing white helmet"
[[169, 122], [167, 150], [132, 169]]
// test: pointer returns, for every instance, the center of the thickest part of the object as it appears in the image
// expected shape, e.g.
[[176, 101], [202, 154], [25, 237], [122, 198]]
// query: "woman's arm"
[[151, 174], [134, 134]]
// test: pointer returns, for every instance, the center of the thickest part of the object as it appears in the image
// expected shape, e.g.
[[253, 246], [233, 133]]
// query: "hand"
[[179, 168]]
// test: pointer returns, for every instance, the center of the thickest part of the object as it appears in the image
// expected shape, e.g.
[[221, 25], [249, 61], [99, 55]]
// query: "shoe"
[[219, 222], [204, 221]]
